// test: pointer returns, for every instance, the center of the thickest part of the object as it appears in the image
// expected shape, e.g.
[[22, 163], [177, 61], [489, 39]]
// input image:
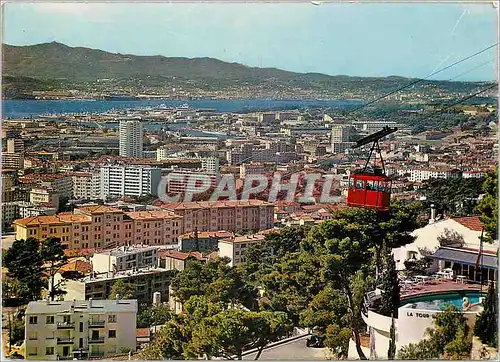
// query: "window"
[[112, 334], [50, 319], [359, 184], [33, 320], [49, 351], [112, 318]]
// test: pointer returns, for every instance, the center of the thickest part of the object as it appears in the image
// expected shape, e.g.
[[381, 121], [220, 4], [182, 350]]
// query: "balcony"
[[65, 340], [96, 340], [65, 325], [96, 323]]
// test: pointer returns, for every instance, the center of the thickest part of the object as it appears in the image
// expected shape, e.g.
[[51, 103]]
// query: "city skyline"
[[413, 40]]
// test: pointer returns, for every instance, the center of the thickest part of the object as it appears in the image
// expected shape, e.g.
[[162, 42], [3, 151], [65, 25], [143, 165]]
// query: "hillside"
[[57, 66]]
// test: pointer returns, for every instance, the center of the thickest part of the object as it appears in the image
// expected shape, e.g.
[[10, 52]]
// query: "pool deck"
[[439, 287]]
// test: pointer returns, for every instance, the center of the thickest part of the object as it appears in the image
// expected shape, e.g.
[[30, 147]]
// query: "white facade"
[[426, 238], [63, 185], [70, 329], [210, 164], [130, 180], [340, 138], [86, 185], [124, 258], [235, 248], [131, 138], [418, 174]]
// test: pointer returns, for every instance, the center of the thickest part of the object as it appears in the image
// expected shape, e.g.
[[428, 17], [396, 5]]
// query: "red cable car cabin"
[[369, 191]]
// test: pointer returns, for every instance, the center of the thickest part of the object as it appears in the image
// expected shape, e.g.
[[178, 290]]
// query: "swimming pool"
[[441, 301]]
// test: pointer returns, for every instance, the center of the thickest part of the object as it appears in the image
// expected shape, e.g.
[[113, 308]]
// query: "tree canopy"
[[488, 206]]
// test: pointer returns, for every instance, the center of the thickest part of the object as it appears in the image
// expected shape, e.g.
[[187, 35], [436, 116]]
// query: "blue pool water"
[[441, 301]]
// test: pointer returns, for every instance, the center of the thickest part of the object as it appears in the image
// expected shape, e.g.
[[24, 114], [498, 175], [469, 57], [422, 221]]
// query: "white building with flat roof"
[[131, 138], [129, 180], [80, 329], [124, 258]]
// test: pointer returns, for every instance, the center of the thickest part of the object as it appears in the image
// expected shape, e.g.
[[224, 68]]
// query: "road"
[[7, 240], [292, 351]]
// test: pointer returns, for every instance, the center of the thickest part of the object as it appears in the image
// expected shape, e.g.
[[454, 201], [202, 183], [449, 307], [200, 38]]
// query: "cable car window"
[[351, 183], [360, 184], [382, 186], [371, 185]]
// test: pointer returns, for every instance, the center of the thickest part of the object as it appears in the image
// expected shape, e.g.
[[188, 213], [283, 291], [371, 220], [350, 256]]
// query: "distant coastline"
[[26, 108]]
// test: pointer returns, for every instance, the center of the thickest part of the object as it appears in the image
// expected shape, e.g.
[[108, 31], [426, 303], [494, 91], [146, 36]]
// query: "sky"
[[411, 40]]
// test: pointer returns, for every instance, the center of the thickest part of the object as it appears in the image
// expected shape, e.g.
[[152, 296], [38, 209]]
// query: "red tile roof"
[[142, 332], [77, 265], [470, 222], [179, 255]]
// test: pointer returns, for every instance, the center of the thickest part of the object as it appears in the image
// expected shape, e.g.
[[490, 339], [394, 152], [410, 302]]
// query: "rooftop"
[[179, 255], [101, 306], [470, 222], [212, 204]]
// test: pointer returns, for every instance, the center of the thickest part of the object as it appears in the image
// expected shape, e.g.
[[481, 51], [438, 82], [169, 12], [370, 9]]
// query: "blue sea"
[[35, 108]]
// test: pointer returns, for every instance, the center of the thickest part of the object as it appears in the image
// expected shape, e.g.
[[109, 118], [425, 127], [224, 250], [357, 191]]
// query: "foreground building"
[[79, 329]]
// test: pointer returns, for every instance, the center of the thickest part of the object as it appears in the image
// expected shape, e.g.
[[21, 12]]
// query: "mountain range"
[[54, 65]]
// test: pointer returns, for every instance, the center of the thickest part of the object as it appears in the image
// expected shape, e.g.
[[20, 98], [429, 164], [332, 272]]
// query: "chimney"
[[433, 214], [90, 302]]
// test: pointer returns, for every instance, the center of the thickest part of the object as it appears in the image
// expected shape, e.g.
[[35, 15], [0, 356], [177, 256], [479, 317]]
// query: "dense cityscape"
[[271, 216]]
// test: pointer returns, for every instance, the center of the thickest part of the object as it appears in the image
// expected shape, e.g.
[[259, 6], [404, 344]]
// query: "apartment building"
[[131, 138], [419, 174], [177, 260], [129, 180], [62, 183], [44, 195], [178, 180], [254, 168], [124, 258], [13, 160], [79, 329], [232, 216], [236, 246], [205, 241], [145, 283], [340, 137], [86, 185], [103, 226]]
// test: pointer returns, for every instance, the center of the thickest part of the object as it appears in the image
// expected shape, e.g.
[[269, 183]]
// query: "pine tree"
[[391, 353], [486, 322], [390, 286]]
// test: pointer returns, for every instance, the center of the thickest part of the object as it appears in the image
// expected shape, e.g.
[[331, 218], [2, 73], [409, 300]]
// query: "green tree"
[[168, 342], [347, 253], [488, 206], [233, 331], [391, 353], [337, 340], [390, 286], [25, 264], [124, 290], [52, 253], [16, 330], [486, 327]]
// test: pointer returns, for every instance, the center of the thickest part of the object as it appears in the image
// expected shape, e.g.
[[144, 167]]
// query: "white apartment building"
[[131, 138], [235, 247], [44, 195], [27, 209], [419, 174], [210, 164], [62, 183], [65, 330], [340, 138], [86, 185], [124, 258], [129, 180]]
